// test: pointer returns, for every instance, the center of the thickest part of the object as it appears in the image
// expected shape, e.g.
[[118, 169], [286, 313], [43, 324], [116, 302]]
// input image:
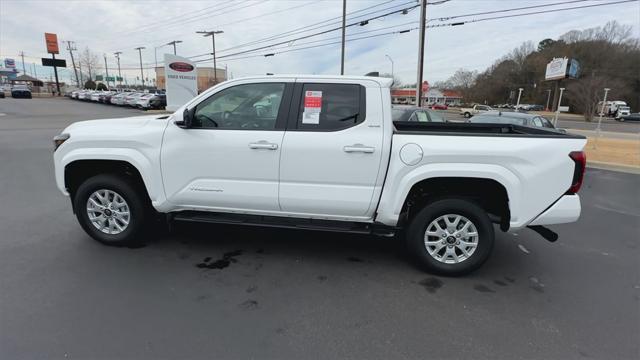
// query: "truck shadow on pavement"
[[215, 249]]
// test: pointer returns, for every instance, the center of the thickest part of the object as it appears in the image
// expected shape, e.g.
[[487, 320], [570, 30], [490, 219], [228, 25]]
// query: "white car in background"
[[118, 99], [132, 99], [95, 96], [143, 101]]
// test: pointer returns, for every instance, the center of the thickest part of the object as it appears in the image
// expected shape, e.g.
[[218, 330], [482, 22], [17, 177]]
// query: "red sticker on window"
[[313, 99]]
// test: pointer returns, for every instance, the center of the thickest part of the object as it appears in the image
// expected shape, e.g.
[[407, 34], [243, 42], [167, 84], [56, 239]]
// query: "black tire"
[[467, 115], [464, 207], [141, 213]]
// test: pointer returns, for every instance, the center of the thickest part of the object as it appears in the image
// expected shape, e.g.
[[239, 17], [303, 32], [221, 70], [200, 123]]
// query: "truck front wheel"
[[111, 210], [467, 115], [451, 236]]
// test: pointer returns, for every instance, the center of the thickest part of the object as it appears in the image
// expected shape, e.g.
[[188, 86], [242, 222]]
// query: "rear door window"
[[331, 107]]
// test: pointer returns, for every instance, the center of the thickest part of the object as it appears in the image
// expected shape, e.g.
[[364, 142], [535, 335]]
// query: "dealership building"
[[431, 96]]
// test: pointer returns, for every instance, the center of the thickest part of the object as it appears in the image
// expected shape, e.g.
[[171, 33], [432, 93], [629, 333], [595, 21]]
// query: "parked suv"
[[21, 91]]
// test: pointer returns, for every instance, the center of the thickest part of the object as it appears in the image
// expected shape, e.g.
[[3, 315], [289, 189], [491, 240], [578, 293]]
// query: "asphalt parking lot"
[[298, 294]]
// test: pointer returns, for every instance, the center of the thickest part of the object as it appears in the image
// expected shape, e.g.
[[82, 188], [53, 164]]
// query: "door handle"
[[263, 145], [358, 148]]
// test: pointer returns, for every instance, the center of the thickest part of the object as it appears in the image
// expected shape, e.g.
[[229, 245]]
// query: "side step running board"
[[283, 222]]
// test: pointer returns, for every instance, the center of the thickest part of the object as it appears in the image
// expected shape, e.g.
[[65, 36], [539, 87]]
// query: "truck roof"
[[381, 81]]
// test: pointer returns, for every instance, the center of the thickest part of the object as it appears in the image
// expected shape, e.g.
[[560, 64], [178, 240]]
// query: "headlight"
[[59, 139]]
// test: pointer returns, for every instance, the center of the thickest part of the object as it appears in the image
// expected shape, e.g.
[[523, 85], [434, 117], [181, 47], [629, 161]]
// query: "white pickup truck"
[[475, 110], [320, 152]]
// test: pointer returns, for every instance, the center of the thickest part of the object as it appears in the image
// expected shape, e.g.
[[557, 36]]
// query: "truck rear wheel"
[[112, 211], [451, 236]]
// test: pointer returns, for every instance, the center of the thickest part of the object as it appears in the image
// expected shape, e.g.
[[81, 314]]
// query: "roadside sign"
[[556, 69], [52, 43], [99, 78], [563, 108], [54, 62], [181, 80], [110, 78], [118, 78]]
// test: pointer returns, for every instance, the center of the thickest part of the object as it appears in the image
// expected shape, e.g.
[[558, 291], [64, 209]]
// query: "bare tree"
[[589, 90], [90, 62]]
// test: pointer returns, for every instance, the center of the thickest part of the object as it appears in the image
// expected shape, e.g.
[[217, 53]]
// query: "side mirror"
[[564, 131], [187, 118]]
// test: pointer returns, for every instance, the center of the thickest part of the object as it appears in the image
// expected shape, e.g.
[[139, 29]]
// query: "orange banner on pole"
[[52, 43]]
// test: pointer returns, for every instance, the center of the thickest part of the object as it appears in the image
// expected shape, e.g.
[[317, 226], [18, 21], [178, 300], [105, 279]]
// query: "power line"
[[358, 22], [201, 16], [181, 18], [428, 26], [314, 26], [234, 56], [170, 18], [318, 33], [506, 10], [540, 12]]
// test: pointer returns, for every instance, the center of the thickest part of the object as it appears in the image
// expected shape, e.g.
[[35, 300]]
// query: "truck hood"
[[123, 124]]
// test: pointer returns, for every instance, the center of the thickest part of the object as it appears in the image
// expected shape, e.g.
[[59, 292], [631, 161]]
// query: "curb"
[[629, 169]]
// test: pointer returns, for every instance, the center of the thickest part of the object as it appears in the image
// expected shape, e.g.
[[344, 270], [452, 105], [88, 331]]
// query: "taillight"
[[580, 159]]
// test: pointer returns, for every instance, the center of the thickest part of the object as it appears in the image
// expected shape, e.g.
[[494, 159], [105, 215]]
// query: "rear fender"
[[391, 202]]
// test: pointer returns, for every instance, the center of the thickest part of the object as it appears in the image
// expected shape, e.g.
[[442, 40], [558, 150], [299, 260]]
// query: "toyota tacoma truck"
[[320, 153]]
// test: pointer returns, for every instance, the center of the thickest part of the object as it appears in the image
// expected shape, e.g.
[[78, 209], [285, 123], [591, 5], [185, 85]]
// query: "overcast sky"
[[109, 26]]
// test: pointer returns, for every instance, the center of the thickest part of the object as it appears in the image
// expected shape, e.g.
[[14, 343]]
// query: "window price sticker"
[[312, 106]]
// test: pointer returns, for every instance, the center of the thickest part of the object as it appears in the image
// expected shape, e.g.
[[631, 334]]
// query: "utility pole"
[[141, 72], [71, 47], [519, 94], [106, 69], [213, 41], [117, 54], [81, 79], [344, 29], [24, 70], [174, 42], [35, 73], [548, 97], [423, 21], [555, 119]]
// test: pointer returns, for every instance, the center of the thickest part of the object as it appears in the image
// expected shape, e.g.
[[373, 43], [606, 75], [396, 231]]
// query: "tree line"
[[609, 56]]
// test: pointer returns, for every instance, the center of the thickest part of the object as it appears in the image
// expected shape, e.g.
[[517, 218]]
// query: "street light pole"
[[174, 42], [117, 54], [213, 41], [423, 21], [548, 97], [390, 59], [519, 94], [604, 102], [344, 21], [141, 72], [555, 119]]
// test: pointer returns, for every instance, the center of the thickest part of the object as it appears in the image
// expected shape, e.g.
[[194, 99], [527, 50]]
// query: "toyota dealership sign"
[[181, 80]]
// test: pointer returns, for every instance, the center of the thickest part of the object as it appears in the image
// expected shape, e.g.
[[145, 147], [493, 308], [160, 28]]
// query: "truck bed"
[[471, 129]]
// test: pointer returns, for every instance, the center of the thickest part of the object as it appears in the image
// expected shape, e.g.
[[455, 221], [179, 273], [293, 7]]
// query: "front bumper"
[[565, 210]]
